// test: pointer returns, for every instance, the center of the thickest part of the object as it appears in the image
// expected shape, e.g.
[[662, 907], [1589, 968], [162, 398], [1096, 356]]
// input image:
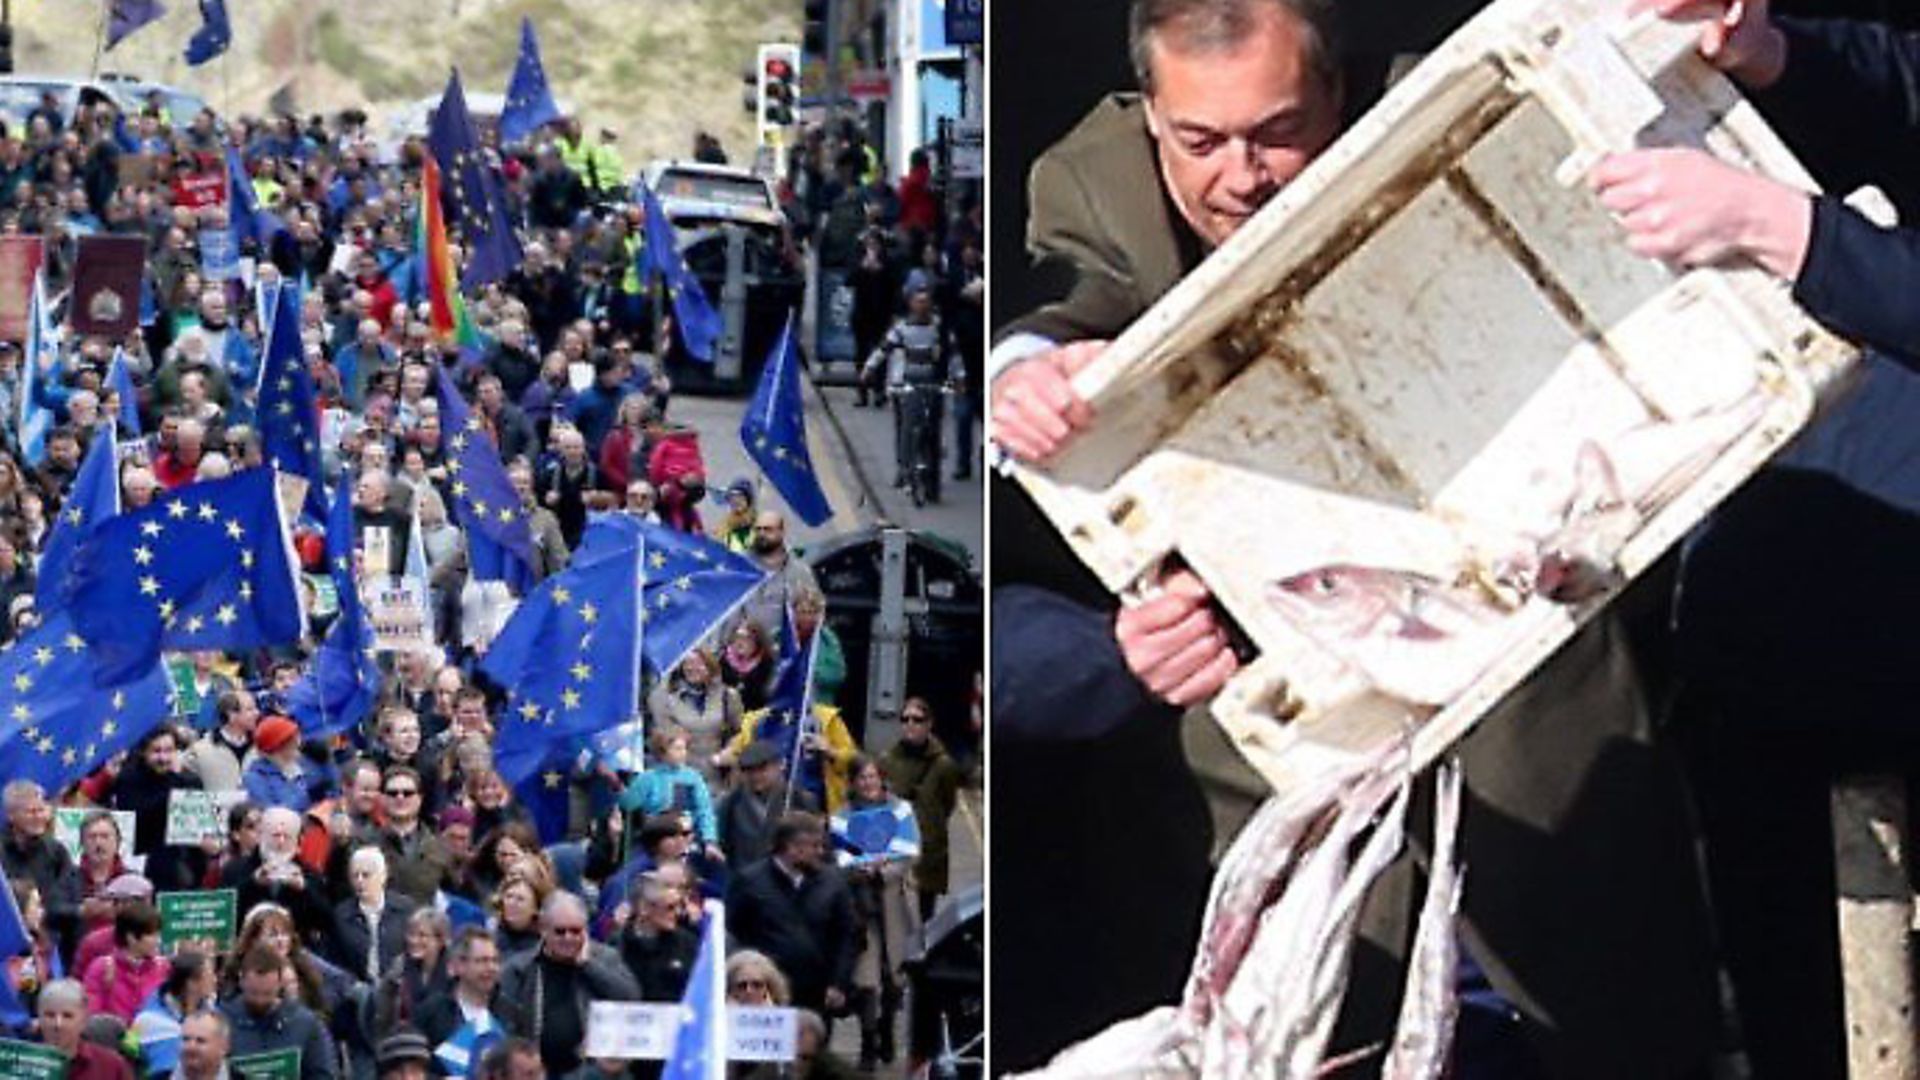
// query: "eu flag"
[[95, 498], [546, 792], [55, 724], [289, 416], [690, 584], [245, 217], [14, 941], [474, 199], [529, 98], [774, 431], [789, 717], [700, 325], [120, 381], [699, 1050], [499, 540], [126, 16], [214, 35], [42, 353], [570, 660], [338, 689], [206, 566]]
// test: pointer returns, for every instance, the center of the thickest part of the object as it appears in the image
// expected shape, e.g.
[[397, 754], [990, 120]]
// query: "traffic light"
[[814, 29], [779, 88]]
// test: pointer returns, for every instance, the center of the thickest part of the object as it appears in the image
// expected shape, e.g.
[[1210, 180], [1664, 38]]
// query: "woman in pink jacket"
[[121, 981]]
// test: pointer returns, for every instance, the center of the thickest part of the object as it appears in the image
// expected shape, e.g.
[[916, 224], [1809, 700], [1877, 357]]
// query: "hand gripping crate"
[[1428, 360]]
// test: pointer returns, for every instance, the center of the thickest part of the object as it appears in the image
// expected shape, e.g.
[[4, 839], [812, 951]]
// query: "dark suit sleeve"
[[1848, 103], [847, 941], [1057, 670]]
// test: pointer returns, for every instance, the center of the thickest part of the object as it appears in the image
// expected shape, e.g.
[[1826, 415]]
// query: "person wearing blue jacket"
[[672, 784]]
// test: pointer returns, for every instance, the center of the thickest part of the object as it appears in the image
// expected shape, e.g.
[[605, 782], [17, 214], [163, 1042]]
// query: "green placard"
[[186, 693], [205, 915], [273, 1065], [31, 1061]]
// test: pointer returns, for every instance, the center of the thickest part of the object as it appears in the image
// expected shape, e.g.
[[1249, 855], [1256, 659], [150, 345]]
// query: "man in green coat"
[[920, 771]]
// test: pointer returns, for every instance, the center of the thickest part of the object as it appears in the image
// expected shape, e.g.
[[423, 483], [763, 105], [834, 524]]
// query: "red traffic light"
[[779, 67]]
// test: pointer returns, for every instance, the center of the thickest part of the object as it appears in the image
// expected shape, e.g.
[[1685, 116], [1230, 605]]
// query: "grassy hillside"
[[656, 70]]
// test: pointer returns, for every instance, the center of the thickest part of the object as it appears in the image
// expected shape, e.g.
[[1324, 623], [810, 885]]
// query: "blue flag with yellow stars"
[[700, 325], [55, 724], [126, 16], [789, 717], [472, 198], [569, 659], [529, 98], [214, 35], [95, 498], [546, 793], [774, 431], [340, 684], [206, 566], [699, 1050], [289, 416], [120, 381], [499, 540], [691, 584]]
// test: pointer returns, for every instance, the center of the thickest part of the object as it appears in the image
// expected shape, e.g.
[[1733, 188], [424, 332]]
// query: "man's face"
[[525, 1065], [1235, 125], [366, 791], [403, 799], [260, 990], [100, 841], [203, 1045], [30, 816], [804, 851], [60, 1025], [245, 716], [564, 933], [479, 970], [471, 714]]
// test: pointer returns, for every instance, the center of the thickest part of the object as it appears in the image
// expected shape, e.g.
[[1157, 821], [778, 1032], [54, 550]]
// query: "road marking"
[[973, 824]]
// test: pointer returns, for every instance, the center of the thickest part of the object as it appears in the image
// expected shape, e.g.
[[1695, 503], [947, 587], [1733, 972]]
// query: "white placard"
[[192, 816], [398, 610], [644, 1031]]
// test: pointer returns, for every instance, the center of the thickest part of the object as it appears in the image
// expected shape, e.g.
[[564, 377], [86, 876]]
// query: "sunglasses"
[[402, 792]]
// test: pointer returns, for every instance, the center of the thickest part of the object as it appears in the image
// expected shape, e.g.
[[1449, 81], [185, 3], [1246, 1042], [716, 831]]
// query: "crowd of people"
[[401, 909]]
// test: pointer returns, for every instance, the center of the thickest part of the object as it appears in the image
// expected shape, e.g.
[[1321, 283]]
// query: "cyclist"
[[917, 364]]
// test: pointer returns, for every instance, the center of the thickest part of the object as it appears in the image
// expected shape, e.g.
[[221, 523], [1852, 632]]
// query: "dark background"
[[1051, 61]]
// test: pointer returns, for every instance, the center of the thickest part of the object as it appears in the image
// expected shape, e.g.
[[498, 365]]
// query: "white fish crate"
[[1429, 360]]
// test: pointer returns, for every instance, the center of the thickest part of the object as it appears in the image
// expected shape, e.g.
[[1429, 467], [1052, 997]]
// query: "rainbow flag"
[[450, 322]]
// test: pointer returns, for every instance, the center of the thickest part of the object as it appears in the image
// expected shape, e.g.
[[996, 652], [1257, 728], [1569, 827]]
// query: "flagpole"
[[639, 651], [100, 37]]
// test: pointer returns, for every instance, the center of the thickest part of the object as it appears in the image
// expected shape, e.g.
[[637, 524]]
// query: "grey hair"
[[561, 898], [1215, 25], [432, 920], [67, 992], [20, 791]]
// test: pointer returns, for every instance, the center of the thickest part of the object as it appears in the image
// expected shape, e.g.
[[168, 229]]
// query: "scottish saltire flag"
[[477, 204], [288, 413], [460, 1054], [700, 325], [214, 35], [876, 834], [529, 98], [120, 381], [774, 431], [55, 724], [699, 1050], [126, 16], [206, 566], [499, 540], [41, 358], [569, 658], [95, 498], [14, 941], [692, 584], [338, 690]]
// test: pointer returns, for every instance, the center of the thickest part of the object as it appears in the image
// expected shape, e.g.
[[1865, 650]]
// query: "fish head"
[[1340, 598]]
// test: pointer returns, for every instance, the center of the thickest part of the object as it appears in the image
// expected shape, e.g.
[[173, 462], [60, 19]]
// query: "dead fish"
[[1618, 486], [1423, 1039], [1412, 636]]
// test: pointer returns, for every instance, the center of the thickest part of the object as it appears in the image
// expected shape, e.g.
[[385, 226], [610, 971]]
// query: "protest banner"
[[31, 1061], [138, 170], [192, 816], [186, 690], [66, 829], [398, 613], [20, 258], [644, 1031], [202, 915], [273, 1065], [197, 189], [219, 255], [106, 285]]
